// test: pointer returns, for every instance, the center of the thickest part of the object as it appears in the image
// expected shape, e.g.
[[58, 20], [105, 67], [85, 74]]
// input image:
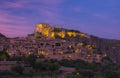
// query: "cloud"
[[47, 9], [50, 1], [18, 17], [101, 16], [107, 18], [14, 4], [12, 25], [77, 9], [14, 30], [12, 19], [17, 25]]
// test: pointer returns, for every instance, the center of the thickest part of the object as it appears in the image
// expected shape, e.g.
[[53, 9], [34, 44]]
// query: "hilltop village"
[[53, 43], [53, 52]]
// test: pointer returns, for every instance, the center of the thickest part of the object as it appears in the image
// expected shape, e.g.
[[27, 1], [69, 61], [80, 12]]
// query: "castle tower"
[[43, 29]]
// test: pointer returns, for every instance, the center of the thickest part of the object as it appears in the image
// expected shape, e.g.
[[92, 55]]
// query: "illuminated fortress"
[[53, 32]]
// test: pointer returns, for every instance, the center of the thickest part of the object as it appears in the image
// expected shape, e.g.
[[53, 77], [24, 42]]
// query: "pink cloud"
[[12, 25], [13, 30], [101, 16], [17, 23], [49, 14], [25, 3], [51, 1], [108, 18], [15, 4], [5, 17], [77, 9]]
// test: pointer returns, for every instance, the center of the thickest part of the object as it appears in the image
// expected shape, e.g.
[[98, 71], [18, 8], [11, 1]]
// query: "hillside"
[[2, 36], [106, 46], [72, 40]]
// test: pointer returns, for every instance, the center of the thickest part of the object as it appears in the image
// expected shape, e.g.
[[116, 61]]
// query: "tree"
[[111, 74], [18, 69], [53, 67], [16, 58], [30, 59], [4, 55]]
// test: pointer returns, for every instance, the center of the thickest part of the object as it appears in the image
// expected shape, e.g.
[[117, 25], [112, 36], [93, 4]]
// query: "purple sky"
[[96, 17]]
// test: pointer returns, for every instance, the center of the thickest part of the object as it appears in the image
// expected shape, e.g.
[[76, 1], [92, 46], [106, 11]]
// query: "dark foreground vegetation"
[[49, 68]]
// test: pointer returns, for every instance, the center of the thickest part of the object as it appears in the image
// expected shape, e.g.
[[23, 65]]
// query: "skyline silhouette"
[[99, 18]]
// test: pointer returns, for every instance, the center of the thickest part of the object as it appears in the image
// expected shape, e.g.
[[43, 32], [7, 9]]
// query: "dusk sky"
[[96, 17]]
